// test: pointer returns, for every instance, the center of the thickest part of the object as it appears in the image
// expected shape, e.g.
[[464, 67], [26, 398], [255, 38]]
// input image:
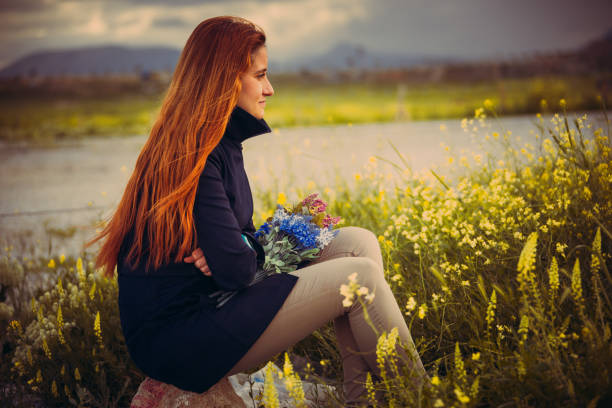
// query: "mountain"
[[351, 56], [117, 59], [94, 60]]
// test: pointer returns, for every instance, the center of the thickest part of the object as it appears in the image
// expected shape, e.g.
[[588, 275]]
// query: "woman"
[[189, 201]]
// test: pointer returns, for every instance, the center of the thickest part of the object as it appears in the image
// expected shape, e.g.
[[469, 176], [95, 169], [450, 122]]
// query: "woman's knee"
[[369, 273]]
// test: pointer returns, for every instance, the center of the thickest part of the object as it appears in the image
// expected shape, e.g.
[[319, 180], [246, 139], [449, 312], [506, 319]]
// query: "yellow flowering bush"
[[72, 349], [509, 261]]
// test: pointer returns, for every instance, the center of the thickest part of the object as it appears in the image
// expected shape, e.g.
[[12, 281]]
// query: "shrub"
[[73, 349]]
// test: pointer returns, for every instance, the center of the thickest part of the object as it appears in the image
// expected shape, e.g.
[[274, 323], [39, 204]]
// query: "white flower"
[[325, 237]]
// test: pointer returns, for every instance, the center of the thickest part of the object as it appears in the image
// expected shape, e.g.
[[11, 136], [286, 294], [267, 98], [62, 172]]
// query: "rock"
[[156, 394]]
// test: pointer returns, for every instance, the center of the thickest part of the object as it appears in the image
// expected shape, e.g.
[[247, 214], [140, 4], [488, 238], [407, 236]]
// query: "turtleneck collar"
[[242, 125]]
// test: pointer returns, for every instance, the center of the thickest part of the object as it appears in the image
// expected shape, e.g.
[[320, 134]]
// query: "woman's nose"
[[268, 90]]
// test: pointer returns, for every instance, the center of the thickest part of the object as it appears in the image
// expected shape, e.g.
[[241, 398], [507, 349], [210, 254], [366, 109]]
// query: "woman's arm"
[[231, 262]]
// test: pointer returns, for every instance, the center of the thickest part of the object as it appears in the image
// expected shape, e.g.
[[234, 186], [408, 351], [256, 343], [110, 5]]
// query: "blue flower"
[[263, 229], [301, 229]]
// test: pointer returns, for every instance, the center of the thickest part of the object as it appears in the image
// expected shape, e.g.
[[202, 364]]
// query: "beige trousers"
[[316, 300]]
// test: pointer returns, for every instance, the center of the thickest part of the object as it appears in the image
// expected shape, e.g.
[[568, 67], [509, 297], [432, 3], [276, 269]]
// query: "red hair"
[[157, 205]]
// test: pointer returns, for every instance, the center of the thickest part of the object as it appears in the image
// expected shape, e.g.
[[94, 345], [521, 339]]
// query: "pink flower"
[[328, 221]]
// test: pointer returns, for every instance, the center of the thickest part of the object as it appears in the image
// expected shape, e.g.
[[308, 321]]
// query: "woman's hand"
[[197, 258]]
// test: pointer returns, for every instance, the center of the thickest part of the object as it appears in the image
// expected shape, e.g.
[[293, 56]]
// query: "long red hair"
[[157, 205]]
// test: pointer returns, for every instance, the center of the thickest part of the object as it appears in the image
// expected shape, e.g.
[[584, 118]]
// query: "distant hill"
[[121, 60], [104, 60], [352, 56], [94, 61]]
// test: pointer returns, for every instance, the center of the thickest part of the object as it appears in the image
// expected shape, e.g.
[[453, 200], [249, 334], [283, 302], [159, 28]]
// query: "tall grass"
[[502, 272]]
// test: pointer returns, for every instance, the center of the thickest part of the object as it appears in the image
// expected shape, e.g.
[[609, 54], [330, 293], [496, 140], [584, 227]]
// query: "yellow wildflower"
[[62, 258], [98, 328], [490, 316], [370, 389], [410, 304], [60, 287], [281, 199], [476, 356], [553, 275], [596, 252], [577, 288], [523, 329], [422, 311], [435, 380], [270, 395], [15, 325], [51, 263], [92, 291], [77, 374], [79, 267], [439, 403], [527, 258], [464, 399], [46, 349], [459, 365], [293, 383]]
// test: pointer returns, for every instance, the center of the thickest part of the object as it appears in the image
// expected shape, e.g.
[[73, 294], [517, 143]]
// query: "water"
[[76, 184]]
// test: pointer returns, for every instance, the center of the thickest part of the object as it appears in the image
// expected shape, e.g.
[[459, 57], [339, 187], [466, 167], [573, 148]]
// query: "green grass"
[[47, 119], [502, 273]]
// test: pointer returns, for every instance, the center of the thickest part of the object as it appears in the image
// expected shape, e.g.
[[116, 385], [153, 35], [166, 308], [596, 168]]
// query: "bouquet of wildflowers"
[[290, 238]]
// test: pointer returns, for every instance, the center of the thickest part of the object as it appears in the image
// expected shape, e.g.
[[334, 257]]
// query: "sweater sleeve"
[[231, 261]]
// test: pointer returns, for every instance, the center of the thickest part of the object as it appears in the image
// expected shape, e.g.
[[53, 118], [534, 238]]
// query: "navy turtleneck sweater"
[[172, 329]]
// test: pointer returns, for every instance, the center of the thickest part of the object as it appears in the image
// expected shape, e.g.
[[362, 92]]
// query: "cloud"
[[167, 21], [302, 27]]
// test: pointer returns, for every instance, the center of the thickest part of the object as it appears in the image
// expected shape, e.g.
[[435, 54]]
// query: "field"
[[45, 115], [502, 272]]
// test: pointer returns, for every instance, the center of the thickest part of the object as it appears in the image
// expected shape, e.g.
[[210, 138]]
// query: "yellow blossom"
[[490, 316], [411, 304], [270, 395], [553, 275], [422, 311], [476, 356], [92, 291], [46, 349], [577, 288], [370, 388], [62, 258], [51, 263], [282, 199], [435, 380], [98, 328], [464, 399]]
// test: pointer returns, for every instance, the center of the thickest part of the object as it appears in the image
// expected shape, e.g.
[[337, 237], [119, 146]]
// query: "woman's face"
[[256, 85]]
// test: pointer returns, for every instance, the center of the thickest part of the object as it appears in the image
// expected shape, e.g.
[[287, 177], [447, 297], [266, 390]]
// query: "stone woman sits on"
[[177, 236]]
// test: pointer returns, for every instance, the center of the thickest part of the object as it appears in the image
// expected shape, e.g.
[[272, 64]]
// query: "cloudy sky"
[[468, 28]]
